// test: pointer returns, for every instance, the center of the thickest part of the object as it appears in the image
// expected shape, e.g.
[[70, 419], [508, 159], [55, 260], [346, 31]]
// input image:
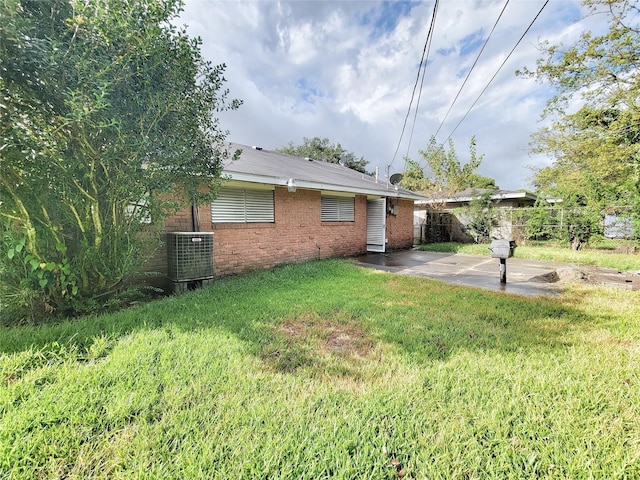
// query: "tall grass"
[[327, 370]]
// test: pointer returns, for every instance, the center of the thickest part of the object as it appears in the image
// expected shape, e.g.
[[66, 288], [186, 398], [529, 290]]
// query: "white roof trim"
[[278, 181], [497, 196]]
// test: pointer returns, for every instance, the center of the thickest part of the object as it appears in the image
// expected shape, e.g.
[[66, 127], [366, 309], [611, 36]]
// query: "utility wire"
[[422, 61], [424, 73], [499, 68], [472, 67]]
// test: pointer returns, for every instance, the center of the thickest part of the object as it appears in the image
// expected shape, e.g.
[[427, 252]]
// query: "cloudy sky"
[[345, 70]]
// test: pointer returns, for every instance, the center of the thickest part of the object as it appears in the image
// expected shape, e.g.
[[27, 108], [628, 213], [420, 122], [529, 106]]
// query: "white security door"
[[376, 227]]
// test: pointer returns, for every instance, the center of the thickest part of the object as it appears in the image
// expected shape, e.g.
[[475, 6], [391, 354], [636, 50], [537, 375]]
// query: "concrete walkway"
[[524, 277]]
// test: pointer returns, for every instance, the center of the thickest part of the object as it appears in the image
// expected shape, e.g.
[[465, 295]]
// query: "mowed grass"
[[328, 370]]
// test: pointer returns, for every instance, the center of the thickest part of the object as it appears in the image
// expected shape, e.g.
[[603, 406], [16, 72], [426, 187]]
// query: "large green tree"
[[413, 177], [447, 174], [322, 149], [596, 148], [108, 119]]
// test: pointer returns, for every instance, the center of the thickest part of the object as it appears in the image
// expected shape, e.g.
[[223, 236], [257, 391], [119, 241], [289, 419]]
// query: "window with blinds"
[[240, 205], [338, 209]]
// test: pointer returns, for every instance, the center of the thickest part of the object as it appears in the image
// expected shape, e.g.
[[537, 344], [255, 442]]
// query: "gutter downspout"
[[195, 217]]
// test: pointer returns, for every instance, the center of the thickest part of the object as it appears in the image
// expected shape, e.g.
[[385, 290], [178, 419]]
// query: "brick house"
[[276, 209]]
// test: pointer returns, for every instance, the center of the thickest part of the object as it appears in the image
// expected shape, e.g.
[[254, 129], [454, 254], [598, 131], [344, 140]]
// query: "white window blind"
[[239, 205], [338, 209]]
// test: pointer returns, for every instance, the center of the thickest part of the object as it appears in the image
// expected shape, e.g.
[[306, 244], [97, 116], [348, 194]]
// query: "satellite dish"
[[395, 178]]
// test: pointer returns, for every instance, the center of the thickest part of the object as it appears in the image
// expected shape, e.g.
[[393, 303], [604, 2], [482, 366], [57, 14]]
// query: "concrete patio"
[[524, 277]]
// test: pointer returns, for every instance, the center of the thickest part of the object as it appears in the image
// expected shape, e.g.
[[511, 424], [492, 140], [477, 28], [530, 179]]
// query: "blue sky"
[[345, 70], [383, 17]]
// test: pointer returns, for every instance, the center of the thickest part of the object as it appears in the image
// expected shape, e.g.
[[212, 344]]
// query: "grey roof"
[[257, 165], [475, 193]]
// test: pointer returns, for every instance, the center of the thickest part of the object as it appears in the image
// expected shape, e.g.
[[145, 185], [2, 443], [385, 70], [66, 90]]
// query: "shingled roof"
[[257, 165]]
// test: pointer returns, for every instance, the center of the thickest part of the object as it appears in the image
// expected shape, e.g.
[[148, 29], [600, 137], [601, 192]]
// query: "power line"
[[424, 73], [422, 61], [472, 67], [499, 68]]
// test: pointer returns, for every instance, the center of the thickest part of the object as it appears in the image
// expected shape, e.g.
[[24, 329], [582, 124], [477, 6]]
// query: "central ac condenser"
[[190, 256]]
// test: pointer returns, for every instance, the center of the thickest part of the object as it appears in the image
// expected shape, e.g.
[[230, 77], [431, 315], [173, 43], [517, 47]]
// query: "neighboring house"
[[439, 219], [278, 209], [501, 198]]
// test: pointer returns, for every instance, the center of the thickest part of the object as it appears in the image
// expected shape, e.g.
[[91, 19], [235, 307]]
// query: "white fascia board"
[[497, 196], [355, 190], [251, 178], [279, 181], [252, 185], [508, 196], [443, 200]]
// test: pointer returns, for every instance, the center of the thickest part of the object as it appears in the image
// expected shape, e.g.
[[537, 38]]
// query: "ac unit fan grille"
[[190, 256]]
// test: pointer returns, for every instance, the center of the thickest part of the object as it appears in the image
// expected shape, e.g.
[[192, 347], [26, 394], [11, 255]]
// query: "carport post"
[[503, 270]]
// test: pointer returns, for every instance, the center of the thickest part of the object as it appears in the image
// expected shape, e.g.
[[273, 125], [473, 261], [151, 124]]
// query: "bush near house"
[[108, 119]]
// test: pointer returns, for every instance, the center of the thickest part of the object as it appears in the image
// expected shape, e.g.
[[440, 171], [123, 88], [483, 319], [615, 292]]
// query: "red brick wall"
[[400, 227], [297, 235]]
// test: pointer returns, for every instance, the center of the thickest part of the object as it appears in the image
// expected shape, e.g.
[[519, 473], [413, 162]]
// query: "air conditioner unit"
[[189, 256]]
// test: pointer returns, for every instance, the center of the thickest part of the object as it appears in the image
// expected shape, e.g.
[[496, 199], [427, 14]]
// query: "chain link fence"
[[615, 229]]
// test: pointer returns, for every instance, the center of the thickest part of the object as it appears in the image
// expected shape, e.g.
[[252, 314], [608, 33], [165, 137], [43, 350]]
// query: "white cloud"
[[345, 70]]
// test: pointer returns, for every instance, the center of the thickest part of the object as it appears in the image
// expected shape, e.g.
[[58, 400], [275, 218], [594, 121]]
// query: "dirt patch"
[[551, 277], [327, 335], [564, 275], [626, 249], [347, 340], [333, 345], [593, 275], [293, 328], [571, 274]]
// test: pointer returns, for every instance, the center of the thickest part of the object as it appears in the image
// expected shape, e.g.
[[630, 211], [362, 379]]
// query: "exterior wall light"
[[291, 185]]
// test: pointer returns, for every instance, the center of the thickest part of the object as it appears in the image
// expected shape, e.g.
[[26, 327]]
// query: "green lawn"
[[328, 370]]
